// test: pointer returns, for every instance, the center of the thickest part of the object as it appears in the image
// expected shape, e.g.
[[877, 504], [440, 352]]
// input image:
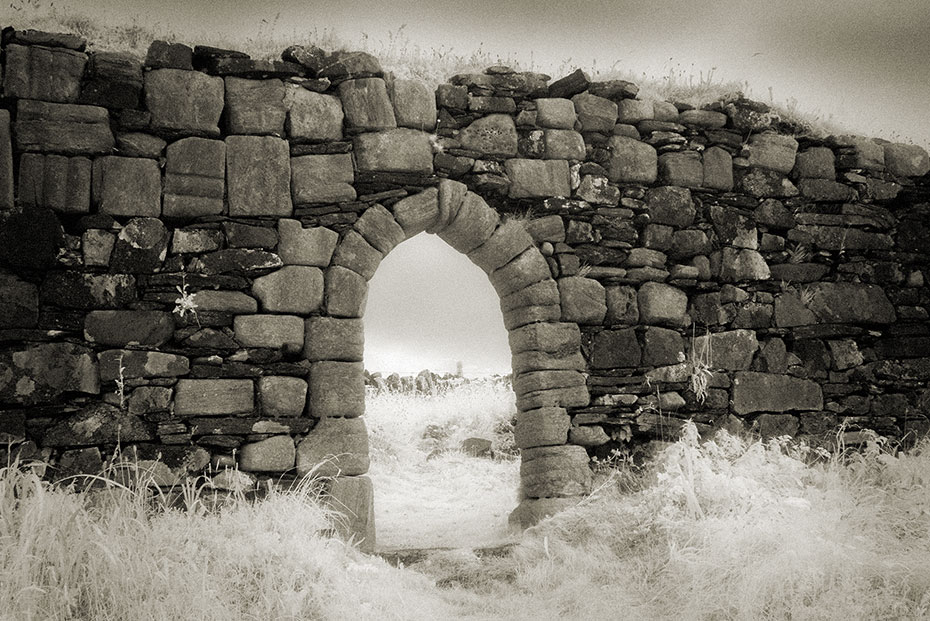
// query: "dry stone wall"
[[186, 242]]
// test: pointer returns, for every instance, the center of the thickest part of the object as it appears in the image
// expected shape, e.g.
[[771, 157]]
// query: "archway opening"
[[439, 402]]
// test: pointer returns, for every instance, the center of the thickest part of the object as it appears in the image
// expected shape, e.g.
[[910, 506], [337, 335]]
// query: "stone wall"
[[186, 242]]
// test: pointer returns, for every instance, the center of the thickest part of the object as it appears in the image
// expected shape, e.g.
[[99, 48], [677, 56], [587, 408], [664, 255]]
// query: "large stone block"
[[507, 241], [670, 205], [561, 339], [846, 302], [98, 423], [494, 134], [612, 349], [121, 328], [354, 498], [622, 305], [815, 163], [541, 427], [584, 300], [739, 265], [772, 152], [19, 304], [225, 302], [87, 291], [765, 392], [255, 106], [337, 389], [555, 471], [140, 364], [282, 396], [632, 111], [631, 161], [55, 182], [62, 128], [329, 338], [6, 161], [596, 114], [113, 80], [271, 331], [299, 246], [662, 347], [312, 117], [213, 397], [555, 113], [356, 254], [906, 160], [195, 178], [140, 247], [705, 119], [367, 105], [291, 289], [417, 213], [538, 178], [397, 150], [662, 304], [40, 373], [346, 292], [564, 144], [414, 104], [718, 169], [542, 361], [380, 229], [543, 293], [524, 315], [274, 454], [188, 102], [732, 350], [44, 73], [336, 446], [860, 152], [564, 397], [471, 226], [733, 228], [529, 267], [535, 381], [258, 174], [684, 169], [322, 179], [127, 186]]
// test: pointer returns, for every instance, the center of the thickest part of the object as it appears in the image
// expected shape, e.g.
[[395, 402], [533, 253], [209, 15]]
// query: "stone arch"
[[547, 363]]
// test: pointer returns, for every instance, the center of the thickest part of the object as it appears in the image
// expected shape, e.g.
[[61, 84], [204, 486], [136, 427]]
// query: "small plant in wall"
[[185, 303], [699, 367], [121, 384]]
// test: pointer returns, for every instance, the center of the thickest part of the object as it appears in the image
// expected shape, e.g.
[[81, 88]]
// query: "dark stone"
[[614, 89], [164, 55], [245, 236], [141, 247], [765, 392], [96, 424], [851, 303], [19, 303], [41, 373], [62, 128], [47, 39], [670, 205], [119, 328], [572, 84], [43, 73], [615, 349], [662, 347], [87, 291], [342, 65], [236, 260], [310, 57], [31, 238], [113, 80]]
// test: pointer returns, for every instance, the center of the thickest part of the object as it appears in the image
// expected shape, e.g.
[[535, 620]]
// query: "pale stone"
[[584, 300], [718, 169], [732, 350], [346, 292], [322, 179], [534, 381], [846, 302], [566, 397], [543, 293], [815, 163], [272, 331], [367, 105], [258, 176], [564, 144], [353, 497], [255, 106], [329, 338], [554, 338], [527, 268], [312, 117], [764, 392], [772, 152], [195, 241], [417, 213], [97, 423], [663, 304], [397, 150], [740, 264], [299, 246], [631, 161], [414, 104], [555, 113], [524, 315], [225, 302], [274, 454], [291, 289], [541, 427], [531, 511], [596, 114], [144, 364], [507, 241], [632, 111], [588, 435], [195, 174], [356, 254], [538, 178], [473, 224], [546, 229], [494, 134], [213, 397], [670, 205], [337, 389], [335, 446], [555, 471], [906, 160], [380, 229]]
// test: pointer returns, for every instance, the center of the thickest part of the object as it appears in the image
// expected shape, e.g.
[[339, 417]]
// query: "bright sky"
[[863, 63]]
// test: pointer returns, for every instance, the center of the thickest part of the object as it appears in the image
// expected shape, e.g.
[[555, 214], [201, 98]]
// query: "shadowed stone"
[[541, 427], [328, 338], [98, 423], [663, 304], [225, 302], [548, 228], [274, 454], [299, 246], [19, 304], [732, 350], [662, 346], [367, 105], [815, 163], [213, 397], [62, 128], [537, 178], [414, 104], [494, 134], [87, 291], [76, 462], [121, 328], [670, 205], [763, 183], [791, 312], [555, 471], [561, 339], [507, 241], [43, 73], [346, 292], [846, 302], [841, 238], [113, 80], [555, 113], [322, 179], [291, 289], [472, 225], [631, 161], [6, 161], [861, 152], [144, 364], [235, 260], [255, 106], [583, 300], [55, 182], [141, 247], [683, 169], [765, 392], [534, 381], [596, 114], [335, 446], [588, 435], [527, 268], [622, 305], [733, 228], [40, 373], [380, 229], [271, 331], [312, 117], [356, 254], [184, 101], [127, 186], [258, 173], [612, 349], [418, 213], [718, 169], [353, 497], [739, 265], [397, 150], [337, 389]]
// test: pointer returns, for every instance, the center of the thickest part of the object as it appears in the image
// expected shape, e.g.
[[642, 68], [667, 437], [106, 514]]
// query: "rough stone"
[[588, 435], [113, 80], [845, 302], [663, 304], [732, 350], [670, 205], [40, 373], [471, 226], [292, 289], [613, 349], [683, 168], [733, 228], [541, 427], [87, 291], [271, 331], [584, 300], [531, 511], [259, 174], [55, 182], [356, 254], [140, 247], [367, 105], [560, 339], [508, 240], [346, 293], [563, 144], [187, 102], [213, 397], [246, 236], [311, 246], [572, 84], [322, 179], [537, 178], [861, 152], [127, 186], [337, 389], [494, 134], [312, 117], [336, 446], [164, 55], [329, 338], [596, 114], [764, 183], [119, 328], [6, 162], [225, 302], [661, 347], [380, 229], [353, 497], [718, 169], [815, 163], [527, 268], [19, 305], [766, 392], [739, 265], [555, 471], [906, 160], [622, 305], [414, 104], [195, 173], [43, 73], [95, 424], [140, 364], [631, 161], [274, 454], [418, 213], [62, 128], [555, 113], [772, 151], [255, 106], [398, 150]]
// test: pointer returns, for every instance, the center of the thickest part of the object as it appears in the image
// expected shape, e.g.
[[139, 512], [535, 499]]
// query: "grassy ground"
[[727, 529]]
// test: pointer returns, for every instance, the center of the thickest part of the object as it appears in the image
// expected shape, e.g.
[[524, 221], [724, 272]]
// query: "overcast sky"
[[865, 63]]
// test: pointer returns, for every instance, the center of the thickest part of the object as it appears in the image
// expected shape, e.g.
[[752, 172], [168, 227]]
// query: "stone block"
[[113, 80], [688, 243], [164, 55], [572, 84], [718, 169], [564, 144], [414, 104], [766, 392], [329, 338], [77, 462], [555, 113], [213, 397], [6, 162], [772, 152], [40, 373], [140, 247], [845, 354], [353, 497], [149, 399], [704, 119], [541, 427], [622, 305], [662, 347], [319, 179], [299, 246], [546, 229], [334, 447], [588, 435], [543, 293], [87, 291], [516, 317], [535, 381], [732, 350], [274, 454], [541, 361], [670, 205], [62, 128], [379, 228], [418, 213], [596, 114], [632, 111], [271, 331], [565, 397], [508, 240], [560, 339], [860, 152], [121, 328], [733, 228], [19, 304], [662, 304], [294, 289], [684, 168], [906, 160], [127, 186], [282, 396], [188, 102], [312, 117], [529, 267], [631, 161], [195, 174], [763, 183], [397, 150], [367, 105], [815, 163], [255, 106], [471, 226], [98, 423], [739, 265], [555, 471], [826, 190], [235, 302], [846, 302], [247, 236], [258, 176], [584, 300], [140, 364], [346, 292], [43, 73], [55, 182], [538, 178], [356, 254], [337, 389], [612, 349], [494, 134]]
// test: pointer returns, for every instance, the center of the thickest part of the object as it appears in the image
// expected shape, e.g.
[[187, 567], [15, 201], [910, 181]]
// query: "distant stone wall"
[[186, 242]]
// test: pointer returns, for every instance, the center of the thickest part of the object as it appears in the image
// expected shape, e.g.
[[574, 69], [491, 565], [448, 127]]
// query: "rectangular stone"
[[127, 186], [397, 150], [113, 80], [367, 105], [337, 389], [541, 427], [43, 73], [561, 339], [213, 397], [62, 128], [258, 171], [56, 182], [311, 246], [766, 392], [271, 331], [414, 104], [312, 117], [538, 178], [255, 106], [184, 101], [6, 161], [322, 179], [526, 269], [329, 338]]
